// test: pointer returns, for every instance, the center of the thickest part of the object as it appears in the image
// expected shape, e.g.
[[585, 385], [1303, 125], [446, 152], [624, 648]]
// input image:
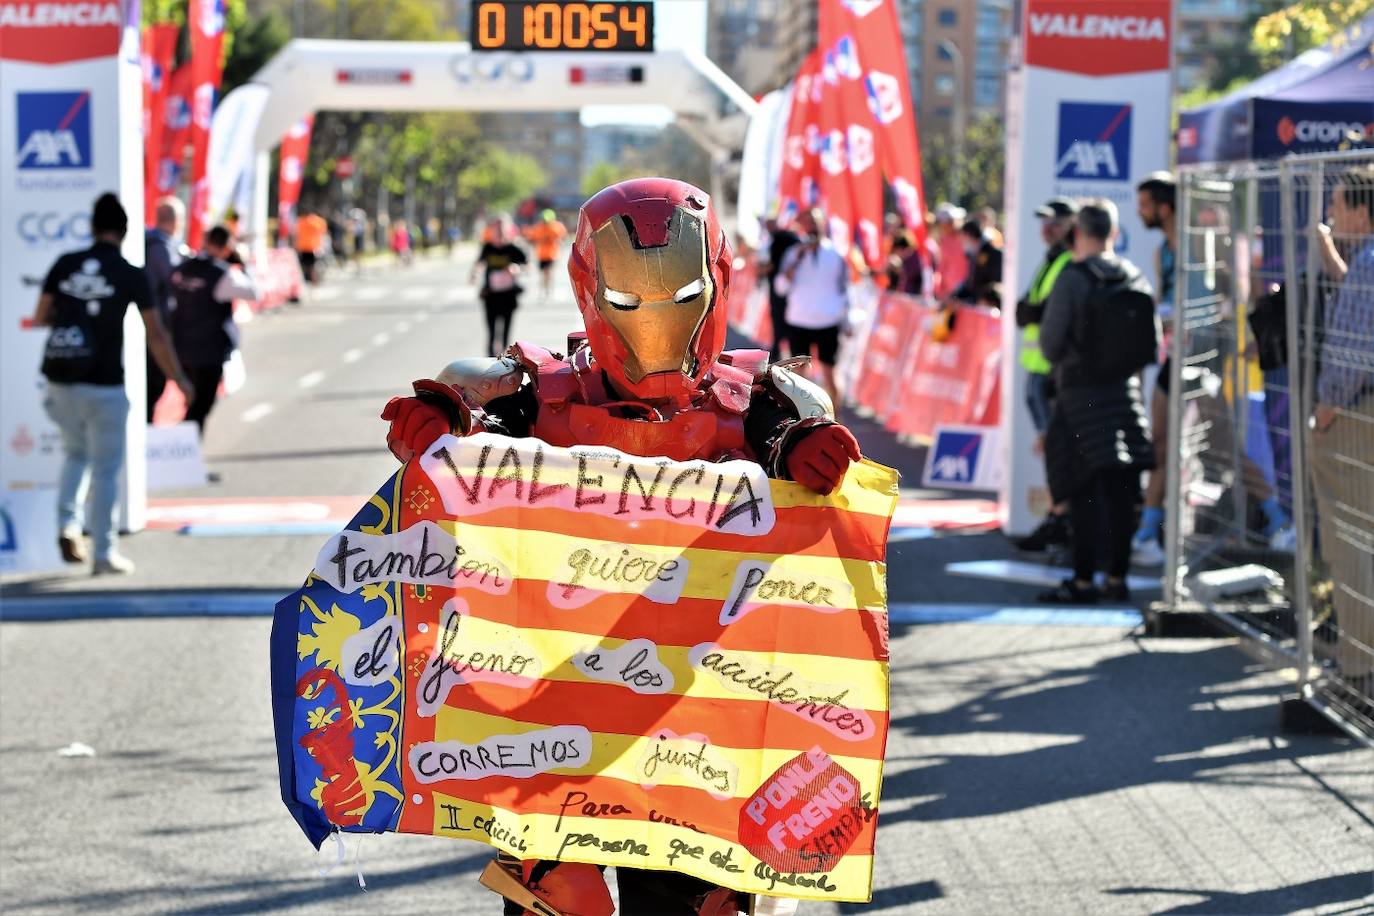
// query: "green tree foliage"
[[983, 158], [1307, 23], [602, 174], [499, 179], [256, 43]]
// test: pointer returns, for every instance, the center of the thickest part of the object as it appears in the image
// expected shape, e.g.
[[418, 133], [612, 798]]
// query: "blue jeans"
[[92, 421], [1038, 400]]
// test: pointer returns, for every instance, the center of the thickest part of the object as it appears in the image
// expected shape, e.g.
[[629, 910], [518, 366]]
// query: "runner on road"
[[547, 237], [502, 260]]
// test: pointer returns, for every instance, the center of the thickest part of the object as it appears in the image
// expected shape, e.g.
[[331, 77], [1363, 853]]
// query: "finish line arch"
[[310, 75]]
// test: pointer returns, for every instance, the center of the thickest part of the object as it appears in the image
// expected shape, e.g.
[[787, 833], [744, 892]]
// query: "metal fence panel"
[[1271, 435]]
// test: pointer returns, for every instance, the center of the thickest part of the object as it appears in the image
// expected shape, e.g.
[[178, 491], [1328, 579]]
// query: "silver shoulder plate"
[[484, 379], [807, 398]]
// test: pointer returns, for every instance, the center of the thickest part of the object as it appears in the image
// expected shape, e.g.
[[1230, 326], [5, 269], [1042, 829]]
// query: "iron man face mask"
[[655, 298]]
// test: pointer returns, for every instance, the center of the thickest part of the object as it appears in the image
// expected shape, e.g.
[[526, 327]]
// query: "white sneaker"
[[1285, 539], [1148, 552], [115, 563]]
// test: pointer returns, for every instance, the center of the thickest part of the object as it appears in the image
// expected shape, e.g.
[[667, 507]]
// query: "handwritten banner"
[[585, 655]]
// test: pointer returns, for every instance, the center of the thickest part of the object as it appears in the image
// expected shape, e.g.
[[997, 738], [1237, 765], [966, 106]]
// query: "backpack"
[[1122, 330]]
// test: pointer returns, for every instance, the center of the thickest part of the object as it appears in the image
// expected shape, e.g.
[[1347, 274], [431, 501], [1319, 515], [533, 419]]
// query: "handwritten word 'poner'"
[[759, 584], [484, 472]]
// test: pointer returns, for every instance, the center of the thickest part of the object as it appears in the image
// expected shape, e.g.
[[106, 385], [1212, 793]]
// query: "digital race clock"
[[525, 25]]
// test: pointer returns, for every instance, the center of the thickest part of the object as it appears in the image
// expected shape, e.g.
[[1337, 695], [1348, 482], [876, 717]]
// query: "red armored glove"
[[436, 409], [819, 461], [571, 888]]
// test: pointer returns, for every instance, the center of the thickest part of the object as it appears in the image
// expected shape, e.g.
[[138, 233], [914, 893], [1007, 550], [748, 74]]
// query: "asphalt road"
[[1049, 768]]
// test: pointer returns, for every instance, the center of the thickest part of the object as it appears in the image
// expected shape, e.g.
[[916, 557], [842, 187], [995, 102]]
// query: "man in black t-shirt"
[[84, 299], [503, 261], [779, 241]]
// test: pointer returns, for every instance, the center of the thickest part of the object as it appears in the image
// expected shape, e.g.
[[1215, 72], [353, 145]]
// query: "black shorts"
[[545, 264], [825, 340]]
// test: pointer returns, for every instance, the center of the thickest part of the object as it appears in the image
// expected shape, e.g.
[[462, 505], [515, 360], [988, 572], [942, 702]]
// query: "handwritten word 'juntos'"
[[521, 756], [759, 584], [599, 568], [821, 704], [423, 554], [688, 759], [484, 472]]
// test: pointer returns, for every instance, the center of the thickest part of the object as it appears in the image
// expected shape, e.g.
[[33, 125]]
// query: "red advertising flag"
[[205, 19], [159, 51], [176, 131], [797, 179], [877, 32], [295, 147]]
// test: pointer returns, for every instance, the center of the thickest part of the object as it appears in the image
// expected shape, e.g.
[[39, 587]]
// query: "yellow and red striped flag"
[[584, 655]]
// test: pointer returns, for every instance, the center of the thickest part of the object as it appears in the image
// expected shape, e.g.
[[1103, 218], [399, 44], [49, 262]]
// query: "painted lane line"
[[380, 339], [421, 315], [1000, 615], [325, 293], [311, 379], [256, 412], [370, 293], [403, 327], [416, 293], [352, 356]]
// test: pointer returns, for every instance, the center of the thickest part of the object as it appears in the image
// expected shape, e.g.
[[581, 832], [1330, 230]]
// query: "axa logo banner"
[[1094, 141], [1097, 37], [53, 130], [962, 457], [60, 31]]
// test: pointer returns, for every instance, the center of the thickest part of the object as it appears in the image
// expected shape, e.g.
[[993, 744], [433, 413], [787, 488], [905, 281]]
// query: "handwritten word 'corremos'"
[[423, 554], [484, 472], [521, 756]]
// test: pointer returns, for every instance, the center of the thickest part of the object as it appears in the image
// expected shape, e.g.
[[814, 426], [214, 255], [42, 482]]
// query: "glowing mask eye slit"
[[690, 291], [624, 301]]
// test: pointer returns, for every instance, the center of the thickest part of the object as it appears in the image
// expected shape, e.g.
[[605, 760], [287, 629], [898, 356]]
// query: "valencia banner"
[[583, 655]]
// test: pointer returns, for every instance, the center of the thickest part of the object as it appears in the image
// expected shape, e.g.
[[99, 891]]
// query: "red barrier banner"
[[159, 52], [954, 381], [295, 149], [206, 21], [748, 305], [897, 319]]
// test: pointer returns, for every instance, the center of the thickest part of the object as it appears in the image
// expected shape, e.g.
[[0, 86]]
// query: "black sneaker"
[[1118, 592], [1053, 530], [1068, 592]]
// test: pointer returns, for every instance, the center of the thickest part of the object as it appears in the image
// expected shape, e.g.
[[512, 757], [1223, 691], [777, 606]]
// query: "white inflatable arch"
[[310, 75]]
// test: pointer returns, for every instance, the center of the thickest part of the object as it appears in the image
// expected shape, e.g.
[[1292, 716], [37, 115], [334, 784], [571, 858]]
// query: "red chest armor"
[[576, 409]]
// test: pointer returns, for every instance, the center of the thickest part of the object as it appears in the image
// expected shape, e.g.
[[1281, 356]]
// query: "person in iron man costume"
[[650, 269]]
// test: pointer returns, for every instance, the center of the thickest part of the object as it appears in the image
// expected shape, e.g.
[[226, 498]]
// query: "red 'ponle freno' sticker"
[[805, 816]]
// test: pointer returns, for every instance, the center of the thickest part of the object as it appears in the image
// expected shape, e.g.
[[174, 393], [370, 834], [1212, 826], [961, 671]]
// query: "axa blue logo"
[[1094, 141], [54, 130], [956, 457], [9, 539]]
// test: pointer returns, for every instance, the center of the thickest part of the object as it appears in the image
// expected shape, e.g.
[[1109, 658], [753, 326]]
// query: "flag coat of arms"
[[584, 655]]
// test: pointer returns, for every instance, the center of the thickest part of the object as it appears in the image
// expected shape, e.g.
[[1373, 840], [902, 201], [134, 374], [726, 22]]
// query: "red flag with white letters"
[[176, 131], [797, 188], [159, 52], [206, 21], [295, 147]]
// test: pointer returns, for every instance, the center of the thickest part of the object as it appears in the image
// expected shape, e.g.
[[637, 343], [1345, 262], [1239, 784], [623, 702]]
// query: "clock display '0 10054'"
[[525, 25]]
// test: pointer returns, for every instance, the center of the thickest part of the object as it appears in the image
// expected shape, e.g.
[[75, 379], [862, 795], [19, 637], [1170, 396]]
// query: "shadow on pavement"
[[895, 897], [1349, 888]]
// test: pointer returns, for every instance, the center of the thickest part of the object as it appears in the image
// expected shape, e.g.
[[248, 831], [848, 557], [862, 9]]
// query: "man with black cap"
[[84, 299], [1056, 230]]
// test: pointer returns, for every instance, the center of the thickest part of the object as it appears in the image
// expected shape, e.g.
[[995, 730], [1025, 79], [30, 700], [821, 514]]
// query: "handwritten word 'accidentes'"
[[485, 472]]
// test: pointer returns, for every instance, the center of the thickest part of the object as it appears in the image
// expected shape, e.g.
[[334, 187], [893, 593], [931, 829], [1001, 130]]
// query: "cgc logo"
[[54, 130], [1094, 141], [55, 228]]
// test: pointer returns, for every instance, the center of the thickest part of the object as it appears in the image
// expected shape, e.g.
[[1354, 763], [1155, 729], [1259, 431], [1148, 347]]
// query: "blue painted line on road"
[[910, 534], [263, 529], [109, 606], [1001, 615]]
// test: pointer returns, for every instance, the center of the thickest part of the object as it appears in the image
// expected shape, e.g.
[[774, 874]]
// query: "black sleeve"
[[140, 292], [512, 415], [765, 423], [518, 255], [54, 277]]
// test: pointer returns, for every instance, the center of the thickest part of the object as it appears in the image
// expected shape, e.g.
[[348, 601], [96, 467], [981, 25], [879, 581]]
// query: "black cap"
[[1057, 208]]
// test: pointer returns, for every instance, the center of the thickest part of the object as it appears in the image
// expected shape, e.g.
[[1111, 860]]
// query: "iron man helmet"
[[650, 268]]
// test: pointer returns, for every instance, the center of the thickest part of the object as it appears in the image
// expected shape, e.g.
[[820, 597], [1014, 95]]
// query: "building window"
[[944, 113], [948, 18], [991, 22], [990, 56], [944, 84], [987, 90]]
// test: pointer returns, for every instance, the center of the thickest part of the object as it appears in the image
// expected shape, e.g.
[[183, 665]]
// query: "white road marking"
[[369, 293], [352, 356], [403, 327], [311, 379], [380, 339], [420, 315], [256, 412], [416, 293], [325, 293]]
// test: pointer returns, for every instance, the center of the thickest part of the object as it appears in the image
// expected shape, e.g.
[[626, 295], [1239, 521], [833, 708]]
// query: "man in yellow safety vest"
[[1056, 229]]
